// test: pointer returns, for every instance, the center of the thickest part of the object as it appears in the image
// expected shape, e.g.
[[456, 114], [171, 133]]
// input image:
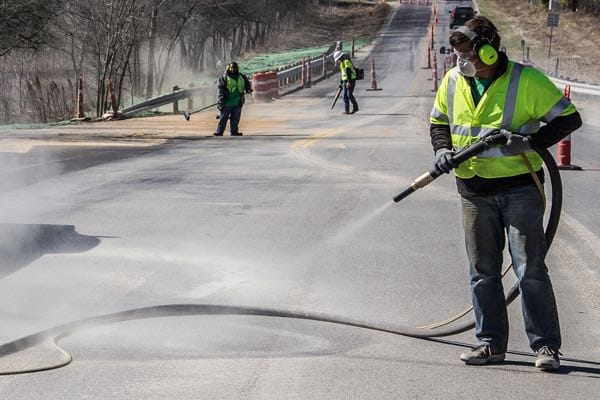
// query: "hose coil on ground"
[[53, 335]]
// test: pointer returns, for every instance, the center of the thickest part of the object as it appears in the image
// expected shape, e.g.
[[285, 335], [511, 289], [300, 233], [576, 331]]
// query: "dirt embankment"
[[575, 42], [329, 23]]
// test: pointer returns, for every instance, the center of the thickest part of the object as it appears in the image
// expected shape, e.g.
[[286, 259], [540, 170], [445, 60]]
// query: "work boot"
[[354, 110], [482, 355], [217, 134], [237, 134], [547, 359]]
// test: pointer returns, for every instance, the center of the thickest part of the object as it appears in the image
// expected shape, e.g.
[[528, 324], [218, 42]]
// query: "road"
[[295, 215]]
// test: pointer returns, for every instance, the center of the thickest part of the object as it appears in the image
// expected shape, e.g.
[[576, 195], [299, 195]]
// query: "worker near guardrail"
[[485, 93], [231, 90], [348, 80]]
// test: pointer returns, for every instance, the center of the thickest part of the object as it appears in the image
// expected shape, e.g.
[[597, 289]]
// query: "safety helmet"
[[337, 55]]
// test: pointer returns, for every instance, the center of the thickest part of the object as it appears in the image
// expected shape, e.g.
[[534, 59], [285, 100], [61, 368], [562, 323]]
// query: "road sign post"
[[552, 22]]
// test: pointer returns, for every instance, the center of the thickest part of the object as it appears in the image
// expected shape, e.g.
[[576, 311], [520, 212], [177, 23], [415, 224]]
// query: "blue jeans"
[[348, 96], [516, 214], [233, 114]]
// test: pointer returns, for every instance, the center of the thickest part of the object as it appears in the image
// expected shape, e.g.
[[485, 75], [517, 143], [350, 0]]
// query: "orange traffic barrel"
[[263, 85]]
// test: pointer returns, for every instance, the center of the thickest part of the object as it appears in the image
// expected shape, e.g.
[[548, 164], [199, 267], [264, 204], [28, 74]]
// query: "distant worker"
[[231, 90], [348, 80], [488, 93]]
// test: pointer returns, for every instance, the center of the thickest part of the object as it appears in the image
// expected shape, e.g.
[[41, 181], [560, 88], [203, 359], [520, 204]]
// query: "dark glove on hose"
[[443, 162], [515, 144]]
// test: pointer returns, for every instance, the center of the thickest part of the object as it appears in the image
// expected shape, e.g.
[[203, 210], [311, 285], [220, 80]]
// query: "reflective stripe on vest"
[[556, 110], [497, 109]]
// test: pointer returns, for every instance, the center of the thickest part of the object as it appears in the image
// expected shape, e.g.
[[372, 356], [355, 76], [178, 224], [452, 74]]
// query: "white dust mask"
[[466, 67]]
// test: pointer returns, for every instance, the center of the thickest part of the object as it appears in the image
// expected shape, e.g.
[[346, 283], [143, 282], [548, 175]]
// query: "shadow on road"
[[587, 368], [21, 244]]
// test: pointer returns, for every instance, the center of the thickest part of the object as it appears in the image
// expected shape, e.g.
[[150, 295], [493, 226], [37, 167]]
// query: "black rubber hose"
[[555, 209], [62, 331], [465, 154]]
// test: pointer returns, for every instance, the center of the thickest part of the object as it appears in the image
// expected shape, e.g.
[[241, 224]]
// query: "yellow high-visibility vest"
[[518, 101], [235, 84], [347, 64]]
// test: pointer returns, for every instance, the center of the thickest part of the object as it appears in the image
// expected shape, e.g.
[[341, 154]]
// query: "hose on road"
[[53, 335]]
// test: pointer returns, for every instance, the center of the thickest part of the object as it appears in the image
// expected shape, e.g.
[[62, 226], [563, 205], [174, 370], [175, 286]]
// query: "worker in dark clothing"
[[231, 90], [501, 203], [347, 81]]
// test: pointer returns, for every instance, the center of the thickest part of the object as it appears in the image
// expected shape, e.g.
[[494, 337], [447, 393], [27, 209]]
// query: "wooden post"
[[190, 105], [175, 103]]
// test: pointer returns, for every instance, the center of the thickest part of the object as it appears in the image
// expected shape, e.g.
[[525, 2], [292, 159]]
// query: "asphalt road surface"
[[296, 215]]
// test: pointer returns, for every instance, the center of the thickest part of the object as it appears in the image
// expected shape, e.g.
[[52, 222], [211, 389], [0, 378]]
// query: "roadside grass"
[[271, 61]]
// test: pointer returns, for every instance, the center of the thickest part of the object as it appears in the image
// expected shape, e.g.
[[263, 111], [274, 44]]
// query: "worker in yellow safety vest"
[[231, 90], [347, 81], [486, 93]]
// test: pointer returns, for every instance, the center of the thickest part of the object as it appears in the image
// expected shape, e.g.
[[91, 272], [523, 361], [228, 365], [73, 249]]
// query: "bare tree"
[[112, 30], [23, 23], [224, 30], [46, 44]]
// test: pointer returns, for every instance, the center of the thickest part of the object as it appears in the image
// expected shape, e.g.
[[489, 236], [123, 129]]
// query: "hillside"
[[575, 42], [325, 24]]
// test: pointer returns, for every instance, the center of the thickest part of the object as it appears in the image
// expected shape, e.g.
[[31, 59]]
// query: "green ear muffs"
[[482, 46], [486, 52]]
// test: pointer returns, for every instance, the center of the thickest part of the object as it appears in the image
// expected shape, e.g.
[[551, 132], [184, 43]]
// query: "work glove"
[[340, 86], [220, 107], [443, 162], [515, 143]]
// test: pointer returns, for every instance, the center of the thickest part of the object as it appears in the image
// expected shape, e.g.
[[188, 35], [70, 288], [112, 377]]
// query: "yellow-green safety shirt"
[[518, 101]]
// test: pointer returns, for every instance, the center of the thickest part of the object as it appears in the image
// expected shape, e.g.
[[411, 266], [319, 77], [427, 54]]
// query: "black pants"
[[233, 114]]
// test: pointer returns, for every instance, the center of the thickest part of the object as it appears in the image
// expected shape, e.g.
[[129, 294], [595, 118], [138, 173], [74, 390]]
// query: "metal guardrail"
[[283, 75], [577, 87], [165, 99], [287, 79]]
